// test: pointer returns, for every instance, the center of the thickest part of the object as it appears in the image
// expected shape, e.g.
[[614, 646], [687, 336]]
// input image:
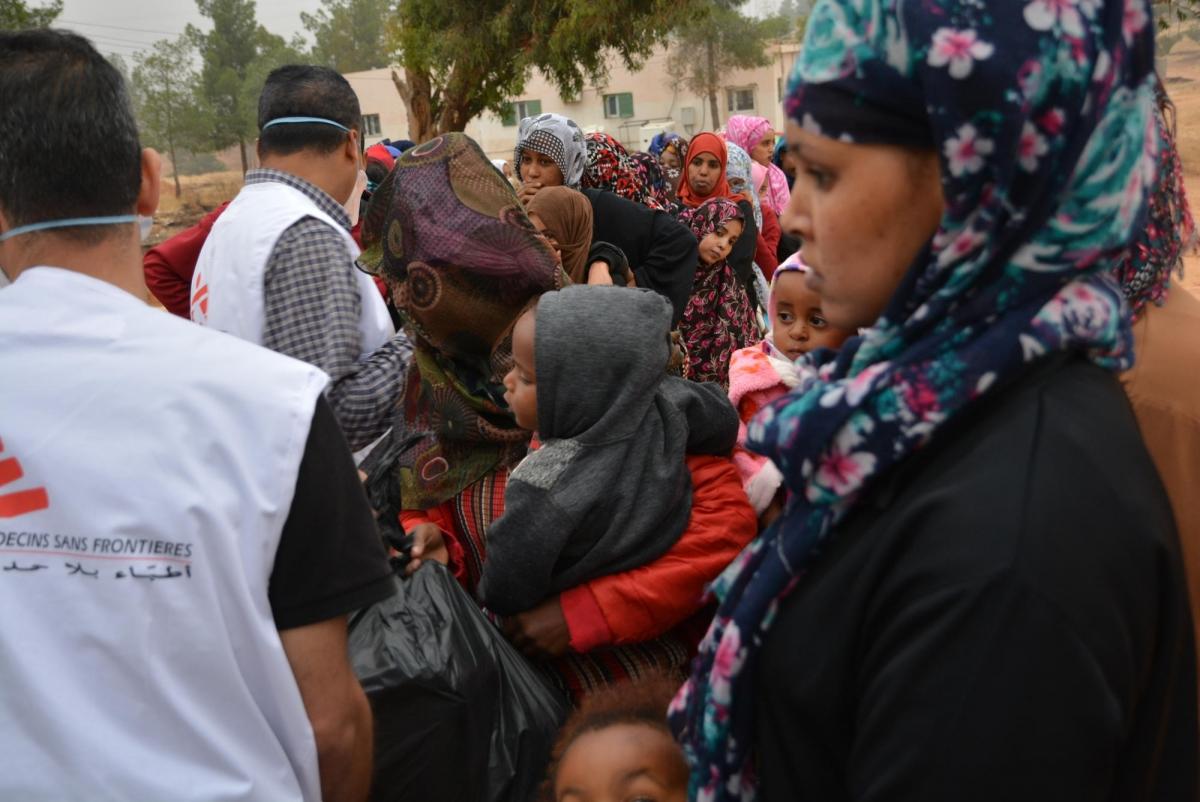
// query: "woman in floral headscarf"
[[609, 168], [719, 318], [975, 590], [464, 260], [705, 177], [756, 136]]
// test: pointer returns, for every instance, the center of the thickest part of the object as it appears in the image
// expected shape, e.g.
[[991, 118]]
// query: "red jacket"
[[169, 265], [647, 602], [765, 253]]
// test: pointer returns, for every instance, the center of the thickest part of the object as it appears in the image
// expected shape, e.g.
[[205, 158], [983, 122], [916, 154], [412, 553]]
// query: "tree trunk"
[[174, 165], [416, 90], [171, 151], [457, 108], [712, 85], [245, 164]]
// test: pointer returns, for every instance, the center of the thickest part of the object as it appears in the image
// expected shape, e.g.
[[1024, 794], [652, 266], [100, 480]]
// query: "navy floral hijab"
[[1042, 112]]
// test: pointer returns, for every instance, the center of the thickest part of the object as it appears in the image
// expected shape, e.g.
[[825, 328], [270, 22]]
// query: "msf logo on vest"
[[199, 298], [16, 501]]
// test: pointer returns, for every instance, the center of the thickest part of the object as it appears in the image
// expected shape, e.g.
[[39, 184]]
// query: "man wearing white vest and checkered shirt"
[[182, 532], [278, 268]]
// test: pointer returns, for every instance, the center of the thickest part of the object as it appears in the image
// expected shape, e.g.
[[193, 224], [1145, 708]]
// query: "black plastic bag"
[[459, 714]]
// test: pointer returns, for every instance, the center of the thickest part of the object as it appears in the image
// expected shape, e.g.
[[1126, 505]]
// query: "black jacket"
[[741, 257], [1004, 618], [661, 250]]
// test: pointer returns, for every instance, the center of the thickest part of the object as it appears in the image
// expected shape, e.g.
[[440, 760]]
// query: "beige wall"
[[377, 95], [657, 105]]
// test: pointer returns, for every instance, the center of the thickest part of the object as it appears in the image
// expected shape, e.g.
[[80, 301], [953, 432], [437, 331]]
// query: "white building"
[[632, 106]]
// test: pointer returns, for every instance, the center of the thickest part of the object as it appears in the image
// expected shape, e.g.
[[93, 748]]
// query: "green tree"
[[236, 56], [16, 15], [350, 35], [460, 57], [164, 92], [709, 45]]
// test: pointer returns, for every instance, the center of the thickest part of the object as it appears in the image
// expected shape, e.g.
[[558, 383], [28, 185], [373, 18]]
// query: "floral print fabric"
[[718, 318], [610, 168], [1043, 119]]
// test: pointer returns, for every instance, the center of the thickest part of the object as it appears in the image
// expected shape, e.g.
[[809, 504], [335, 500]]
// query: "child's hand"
[[525, 195], [428, 544], [540, 633]]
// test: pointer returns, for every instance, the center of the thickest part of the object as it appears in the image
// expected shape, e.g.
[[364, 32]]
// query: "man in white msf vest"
[[278, 268], [182, 532]]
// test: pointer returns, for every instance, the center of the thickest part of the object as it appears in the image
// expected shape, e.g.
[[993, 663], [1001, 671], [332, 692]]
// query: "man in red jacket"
[[169, 265]]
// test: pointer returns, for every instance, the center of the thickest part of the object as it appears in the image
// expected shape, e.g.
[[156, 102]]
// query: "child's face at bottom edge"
[[622, 763], [520, 383], [798, 325]]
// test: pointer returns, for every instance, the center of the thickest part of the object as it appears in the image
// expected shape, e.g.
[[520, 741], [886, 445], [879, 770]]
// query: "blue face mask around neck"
[[144, 225]]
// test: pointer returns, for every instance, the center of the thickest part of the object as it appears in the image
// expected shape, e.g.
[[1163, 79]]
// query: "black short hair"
[[68, 138], [301, 90], [376, 171]]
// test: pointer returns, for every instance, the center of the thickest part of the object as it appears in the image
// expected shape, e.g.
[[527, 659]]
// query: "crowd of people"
[[857, 464]]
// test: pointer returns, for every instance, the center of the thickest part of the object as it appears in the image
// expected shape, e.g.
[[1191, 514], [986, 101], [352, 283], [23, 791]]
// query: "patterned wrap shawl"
[[1170, 230], [448, 233], [610, 168], [1042, 114], [650, 173], [718, 318], [740, 176], [556, 137], [746, 132]]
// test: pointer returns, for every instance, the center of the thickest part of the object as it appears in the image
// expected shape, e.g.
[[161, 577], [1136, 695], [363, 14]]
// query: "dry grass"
[[201, 194]]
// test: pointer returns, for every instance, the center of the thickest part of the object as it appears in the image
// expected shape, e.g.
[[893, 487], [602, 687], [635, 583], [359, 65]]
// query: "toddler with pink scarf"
[[763, 372]]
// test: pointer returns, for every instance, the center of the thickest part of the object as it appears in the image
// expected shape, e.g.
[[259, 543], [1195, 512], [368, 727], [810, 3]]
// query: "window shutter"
[[533, 108], [509, 117], [625, 103]]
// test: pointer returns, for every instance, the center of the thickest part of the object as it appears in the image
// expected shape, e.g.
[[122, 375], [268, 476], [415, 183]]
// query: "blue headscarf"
[[660, 141], [1044, 124]]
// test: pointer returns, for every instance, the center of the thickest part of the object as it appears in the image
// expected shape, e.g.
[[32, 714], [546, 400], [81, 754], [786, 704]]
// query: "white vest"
[[227, 286], [147, 467]]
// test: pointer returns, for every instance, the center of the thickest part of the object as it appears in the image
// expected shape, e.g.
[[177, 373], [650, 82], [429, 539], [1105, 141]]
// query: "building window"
[[741, 99], [619, 105], [520, 109], [370, 125]]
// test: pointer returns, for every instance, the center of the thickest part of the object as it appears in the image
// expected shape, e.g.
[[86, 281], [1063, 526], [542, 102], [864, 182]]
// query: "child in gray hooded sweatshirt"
[[608, 490]]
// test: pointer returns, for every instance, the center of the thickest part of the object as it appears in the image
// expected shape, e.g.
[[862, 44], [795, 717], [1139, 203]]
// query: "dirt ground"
[[200, 195]]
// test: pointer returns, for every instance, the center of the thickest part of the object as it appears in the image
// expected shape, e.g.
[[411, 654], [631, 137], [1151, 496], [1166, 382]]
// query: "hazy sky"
[[125, 26]]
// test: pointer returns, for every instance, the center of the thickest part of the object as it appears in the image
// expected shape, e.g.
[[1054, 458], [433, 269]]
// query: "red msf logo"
[[199, 298], [18, 502]]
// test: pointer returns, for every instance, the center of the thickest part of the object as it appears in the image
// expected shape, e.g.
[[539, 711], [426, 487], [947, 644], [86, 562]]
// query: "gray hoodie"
[[609, 489]]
